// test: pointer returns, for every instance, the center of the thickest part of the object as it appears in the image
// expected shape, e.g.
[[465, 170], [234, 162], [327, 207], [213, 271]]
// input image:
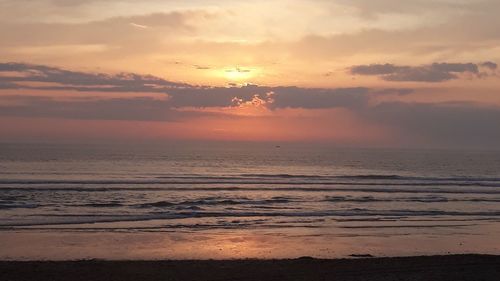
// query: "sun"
[[238, 73]]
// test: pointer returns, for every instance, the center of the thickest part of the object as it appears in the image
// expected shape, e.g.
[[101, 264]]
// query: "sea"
[[209, 200]]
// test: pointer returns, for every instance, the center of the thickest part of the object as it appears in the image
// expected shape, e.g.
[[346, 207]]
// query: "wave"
[[372, 177], [217, 201], [359, 180], [101, 205], [426, 199], [305, 183], [357, 177], [250, 188], [92, 218], [240, 225], [240, 204], [407, 226], [275, 203], [8, 206]]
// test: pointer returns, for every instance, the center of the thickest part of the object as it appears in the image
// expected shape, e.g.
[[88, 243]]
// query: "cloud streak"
[[127, 32], [436, 72], [16, 73]]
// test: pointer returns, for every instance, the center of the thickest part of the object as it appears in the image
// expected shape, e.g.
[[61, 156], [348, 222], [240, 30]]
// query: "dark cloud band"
[[19, 76], [436, 72]]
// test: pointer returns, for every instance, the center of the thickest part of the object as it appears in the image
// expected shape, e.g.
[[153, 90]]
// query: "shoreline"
[[443, 267]]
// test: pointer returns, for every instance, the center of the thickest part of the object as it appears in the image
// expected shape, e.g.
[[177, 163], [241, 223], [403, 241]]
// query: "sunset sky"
[[389, 73]]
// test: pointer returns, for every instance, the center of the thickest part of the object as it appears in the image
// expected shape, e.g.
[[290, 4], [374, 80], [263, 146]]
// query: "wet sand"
[[452, 267]]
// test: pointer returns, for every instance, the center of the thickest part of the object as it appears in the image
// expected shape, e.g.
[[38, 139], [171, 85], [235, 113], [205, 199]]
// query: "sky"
[[387, 73]]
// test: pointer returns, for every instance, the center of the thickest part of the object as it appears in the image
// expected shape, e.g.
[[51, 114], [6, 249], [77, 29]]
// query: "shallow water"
[[244, 200]]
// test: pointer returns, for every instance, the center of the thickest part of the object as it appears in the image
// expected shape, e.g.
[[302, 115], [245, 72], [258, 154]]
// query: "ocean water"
[[233, 200]]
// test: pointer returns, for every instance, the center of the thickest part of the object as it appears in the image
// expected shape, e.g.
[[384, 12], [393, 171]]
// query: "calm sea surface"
[[244, 200]]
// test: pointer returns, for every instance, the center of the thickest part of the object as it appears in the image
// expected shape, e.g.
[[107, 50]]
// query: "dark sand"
[[452, 268]]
